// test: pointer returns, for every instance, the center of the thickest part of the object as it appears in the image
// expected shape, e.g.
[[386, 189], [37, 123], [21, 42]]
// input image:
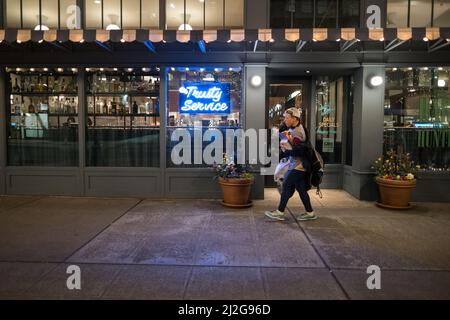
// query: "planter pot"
[[236, 192], [395, 194]]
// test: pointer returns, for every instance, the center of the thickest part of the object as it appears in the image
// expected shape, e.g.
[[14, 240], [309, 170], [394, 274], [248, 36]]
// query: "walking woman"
[[299, 151]]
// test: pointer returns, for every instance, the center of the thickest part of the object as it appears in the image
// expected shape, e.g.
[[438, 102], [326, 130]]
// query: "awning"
[[227, 36]]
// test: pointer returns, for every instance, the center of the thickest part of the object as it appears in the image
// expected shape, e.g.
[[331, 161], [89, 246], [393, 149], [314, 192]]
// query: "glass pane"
[[131, 14], [123, 118], [49, 14], [234, 14], [417, 115], [349, 13], [174, 14], [194, 14], [181, 106], [325, 14], [397, 13], [420, 13], [214, 14], [111, 14], [12, 14], [30, 13], [441, 13], [304, 12], [329, 99], [93, 14], [43, 126], [281, 13], [150, 14], [69, 15]]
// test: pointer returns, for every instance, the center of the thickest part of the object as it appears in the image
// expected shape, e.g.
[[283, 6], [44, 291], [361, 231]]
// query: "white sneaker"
[[275, 215], [307, 216]]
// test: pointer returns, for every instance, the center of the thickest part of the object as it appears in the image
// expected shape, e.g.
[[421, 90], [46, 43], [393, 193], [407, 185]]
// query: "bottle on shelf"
[[105, 107], [91, 107], [114, 108], [135, 108], [56, 87], [63, 86], [73, 107], [16, 87], [31, 108], [67, 106]]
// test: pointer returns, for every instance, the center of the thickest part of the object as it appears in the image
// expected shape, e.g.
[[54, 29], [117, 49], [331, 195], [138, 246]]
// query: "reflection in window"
[[194, 14], [325, 14], [43, 117], [234, 17], [441, 13], [150, 13], [13, 14], [123, 118], [111, 15], [417, 114], [49, 17], [349, 13], [397, 13], [175, 14], [214, 14], [93, 14], [131, 14], [229, 82], [420, 15], [30, 12], [330, 104]]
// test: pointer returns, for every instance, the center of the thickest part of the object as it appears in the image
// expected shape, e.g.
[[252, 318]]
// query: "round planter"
[[395, 194], [236, 192]]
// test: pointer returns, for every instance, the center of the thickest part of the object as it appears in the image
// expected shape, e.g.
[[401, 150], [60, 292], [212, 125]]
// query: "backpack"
[[317, 167]]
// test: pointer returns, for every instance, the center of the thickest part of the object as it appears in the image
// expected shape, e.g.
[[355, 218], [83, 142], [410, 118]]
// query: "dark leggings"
[[295, 180]]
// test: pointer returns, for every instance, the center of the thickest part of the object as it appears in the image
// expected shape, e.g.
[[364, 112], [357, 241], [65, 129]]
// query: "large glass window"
[[330, 105], [417, 114], [123, 121], [185, 87], [441, 13], [30, 13], [326, 14], [150, 14], [420, 15], [131, 14], [349, 13], [93, 14], [43, 117], [208, 14], [49, 17], [112, 19], [13, 14], [314, 13], [397, 13]]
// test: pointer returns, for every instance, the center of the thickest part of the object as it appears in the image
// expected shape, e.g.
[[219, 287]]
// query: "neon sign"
[[205, 98]]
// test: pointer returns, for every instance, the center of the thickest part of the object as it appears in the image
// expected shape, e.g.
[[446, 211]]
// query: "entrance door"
[[283, 94]]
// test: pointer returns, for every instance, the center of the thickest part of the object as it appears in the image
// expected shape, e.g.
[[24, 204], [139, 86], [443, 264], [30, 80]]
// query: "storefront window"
[[417, 113], [93, 14], [49, 16], [150, 14], [30, 13], [330, 105], [123, 121], [191, 93], [43, 117], [234, 17]]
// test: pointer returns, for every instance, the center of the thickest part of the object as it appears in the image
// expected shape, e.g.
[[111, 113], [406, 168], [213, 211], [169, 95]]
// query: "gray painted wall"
[[367, 131]]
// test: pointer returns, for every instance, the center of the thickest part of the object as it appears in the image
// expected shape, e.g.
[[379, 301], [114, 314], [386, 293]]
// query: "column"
[[3, 124]]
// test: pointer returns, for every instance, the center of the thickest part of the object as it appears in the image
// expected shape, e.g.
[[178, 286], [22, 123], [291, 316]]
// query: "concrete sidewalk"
[[197, 249]]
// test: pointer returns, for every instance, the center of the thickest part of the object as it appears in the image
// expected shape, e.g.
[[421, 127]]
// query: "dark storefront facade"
[[90, 91]]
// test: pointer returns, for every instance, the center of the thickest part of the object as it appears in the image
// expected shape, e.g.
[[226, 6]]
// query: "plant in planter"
[[235, 181], [396, 179]]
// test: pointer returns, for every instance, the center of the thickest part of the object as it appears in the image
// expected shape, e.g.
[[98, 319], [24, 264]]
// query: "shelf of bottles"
[[123, 98], [42, 99]]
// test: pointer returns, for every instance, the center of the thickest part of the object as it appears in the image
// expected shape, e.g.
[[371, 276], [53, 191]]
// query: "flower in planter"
[[228, 169], [395, 166]]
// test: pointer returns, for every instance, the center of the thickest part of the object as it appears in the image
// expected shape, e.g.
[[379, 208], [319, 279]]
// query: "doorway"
[[284, 93]]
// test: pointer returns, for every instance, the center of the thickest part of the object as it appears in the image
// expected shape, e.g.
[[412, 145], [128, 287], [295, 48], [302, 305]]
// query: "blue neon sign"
[[205, 98]]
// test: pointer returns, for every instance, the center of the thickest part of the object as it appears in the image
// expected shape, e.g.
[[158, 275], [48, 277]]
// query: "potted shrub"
[[235, 181], [396, 180]]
